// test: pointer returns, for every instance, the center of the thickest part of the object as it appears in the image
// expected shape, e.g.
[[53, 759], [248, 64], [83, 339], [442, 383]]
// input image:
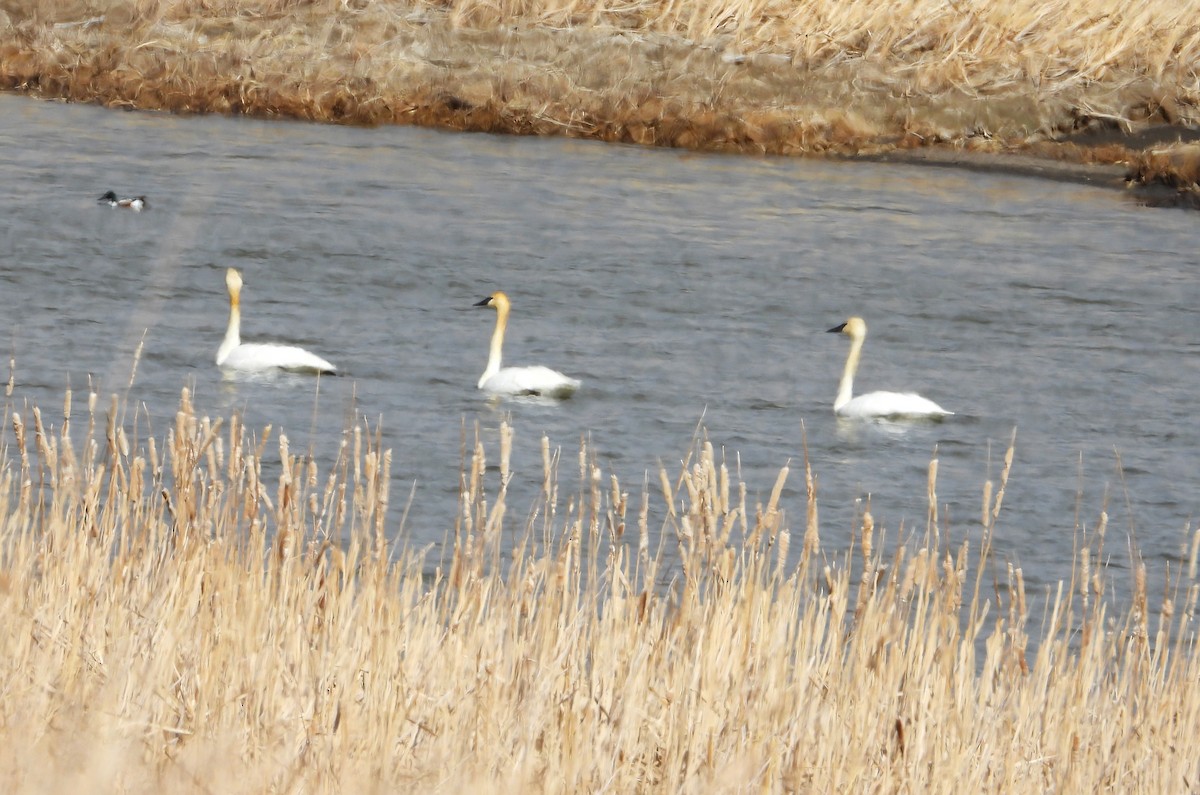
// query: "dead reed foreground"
[[1086, 81], [174, 623]]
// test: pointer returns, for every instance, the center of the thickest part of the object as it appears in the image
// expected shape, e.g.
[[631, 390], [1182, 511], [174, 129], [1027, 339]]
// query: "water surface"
[[685, 290]]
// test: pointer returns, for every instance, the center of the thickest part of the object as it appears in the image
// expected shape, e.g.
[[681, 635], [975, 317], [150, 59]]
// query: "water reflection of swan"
[[535, 380], [250, 357], [875, 404]]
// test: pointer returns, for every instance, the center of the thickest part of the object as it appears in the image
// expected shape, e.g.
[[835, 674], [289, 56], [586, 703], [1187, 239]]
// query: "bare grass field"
[[1070, 81], [175, 620]]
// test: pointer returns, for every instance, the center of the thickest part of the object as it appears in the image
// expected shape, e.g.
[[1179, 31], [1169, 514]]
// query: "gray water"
[[685, 290]]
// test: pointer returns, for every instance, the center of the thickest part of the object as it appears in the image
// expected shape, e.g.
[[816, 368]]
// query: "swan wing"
[[892, 404], [260, 357], [536, 380]]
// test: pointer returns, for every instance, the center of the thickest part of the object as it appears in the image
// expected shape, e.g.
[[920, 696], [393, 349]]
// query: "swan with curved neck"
[[250, 357], [534, 380], [875, 404]]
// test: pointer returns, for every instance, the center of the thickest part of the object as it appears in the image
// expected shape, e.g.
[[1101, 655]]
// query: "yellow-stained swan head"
[[855, 328], [497, 299], [233, 280]]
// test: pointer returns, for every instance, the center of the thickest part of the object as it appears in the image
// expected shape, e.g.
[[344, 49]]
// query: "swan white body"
[[534, 380], [899, 405], [251, 357]]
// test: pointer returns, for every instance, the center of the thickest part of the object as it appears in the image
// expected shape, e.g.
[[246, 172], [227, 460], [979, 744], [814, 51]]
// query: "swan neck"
[[493, 364], [233, 335], [846, 387]]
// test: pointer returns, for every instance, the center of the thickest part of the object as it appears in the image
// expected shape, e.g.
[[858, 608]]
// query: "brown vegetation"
[[174, 619], [1176, 167], [772, 76]]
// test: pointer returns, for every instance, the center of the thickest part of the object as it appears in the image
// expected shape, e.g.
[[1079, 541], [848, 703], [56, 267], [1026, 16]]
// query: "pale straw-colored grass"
[[213, 611], [755, 75], [1059, 41]]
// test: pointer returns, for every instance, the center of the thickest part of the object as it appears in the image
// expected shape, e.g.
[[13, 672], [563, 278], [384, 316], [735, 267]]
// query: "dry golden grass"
[[175, 620], [757, 75]]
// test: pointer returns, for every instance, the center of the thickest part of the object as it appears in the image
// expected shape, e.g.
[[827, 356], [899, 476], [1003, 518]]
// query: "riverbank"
[[1104, 95]]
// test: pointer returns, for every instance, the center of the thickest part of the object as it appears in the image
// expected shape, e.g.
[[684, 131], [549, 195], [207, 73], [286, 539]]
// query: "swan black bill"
[[484, 302], [836, 329]]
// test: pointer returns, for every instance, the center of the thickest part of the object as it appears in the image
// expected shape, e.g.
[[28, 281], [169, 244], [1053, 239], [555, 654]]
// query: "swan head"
[[497, 299], [233, 280], [855, 328]]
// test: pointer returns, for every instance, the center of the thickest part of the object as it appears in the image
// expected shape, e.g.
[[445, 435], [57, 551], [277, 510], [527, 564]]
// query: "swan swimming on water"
[[875, 404], [535, 380], [250, 357]]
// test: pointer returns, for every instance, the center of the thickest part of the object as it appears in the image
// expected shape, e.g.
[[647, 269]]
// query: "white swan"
[[875, 404], [236, 355], [535, 380]]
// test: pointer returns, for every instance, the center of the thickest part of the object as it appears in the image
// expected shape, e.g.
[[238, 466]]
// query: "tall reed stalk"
[[175, 619]]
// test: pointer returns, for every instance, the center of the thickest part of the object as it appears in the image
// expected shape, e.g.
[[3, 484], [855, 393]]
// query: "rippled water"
[[683, 289]]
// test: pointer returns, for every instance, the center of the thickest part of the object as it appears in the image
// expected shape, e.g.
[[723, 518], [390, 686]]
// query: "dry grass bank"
[[172, 622], [756, 75]]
